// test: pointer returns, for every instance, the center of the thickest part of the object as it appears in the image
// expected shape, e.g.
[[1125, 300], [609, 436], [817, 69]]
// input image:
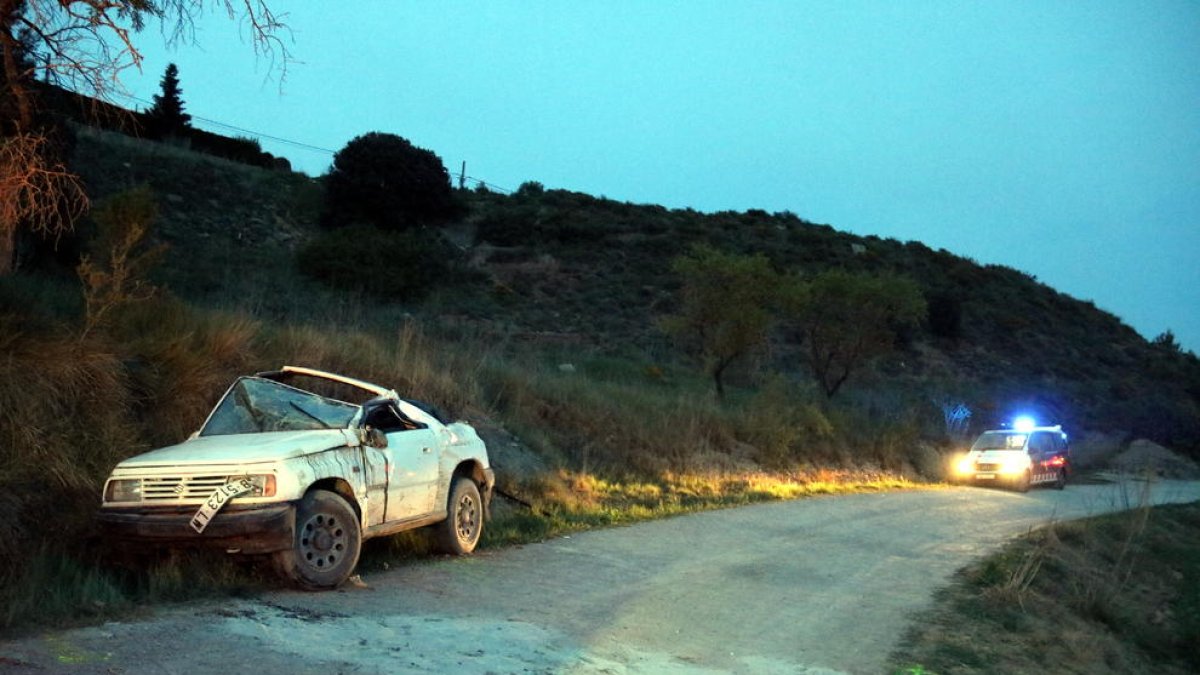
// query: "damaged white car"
[[306, 477]]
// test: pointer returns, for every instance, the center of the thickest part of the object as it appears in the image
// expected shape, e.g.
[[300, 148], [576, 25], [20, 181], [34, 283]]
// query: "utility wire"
[[298, 144]]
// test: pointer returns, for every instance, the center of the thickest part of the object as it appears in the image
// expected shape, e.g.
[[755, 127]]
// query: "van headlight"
[[123, 490], [965, 465], [1014, 465]]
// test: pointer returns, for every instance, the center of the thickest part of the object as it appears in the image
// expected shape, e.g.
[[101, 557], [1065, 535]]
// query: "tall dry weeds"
[[64, 421]]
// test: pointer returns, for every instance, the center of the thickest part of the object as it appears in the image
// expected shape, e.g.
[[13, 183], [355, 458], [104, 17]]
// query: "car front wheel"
[[327, 543], [459, 533]]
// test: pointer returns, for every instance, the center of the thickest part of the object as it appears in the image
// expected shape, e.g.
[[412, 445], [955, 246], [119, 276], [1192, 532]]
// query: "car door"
[[410, 462], [412, 480]]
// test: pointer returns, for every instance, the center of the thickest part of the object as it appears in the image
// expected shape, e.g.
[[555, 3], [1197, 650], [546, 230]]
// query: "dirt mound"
[[1143, 455]]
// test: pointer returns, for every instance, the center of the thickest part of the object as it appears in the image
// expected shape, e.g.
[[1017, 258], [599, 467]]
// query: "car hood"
[[243, 448]]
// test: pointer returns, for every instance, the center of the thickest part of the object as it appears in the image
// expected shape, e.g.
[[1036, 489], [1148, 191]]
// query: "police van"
[[1019, 457]]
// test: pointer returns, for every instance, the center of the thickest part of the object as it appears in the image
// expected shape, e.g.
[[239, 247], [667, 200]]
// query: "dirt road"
[[814, 586]]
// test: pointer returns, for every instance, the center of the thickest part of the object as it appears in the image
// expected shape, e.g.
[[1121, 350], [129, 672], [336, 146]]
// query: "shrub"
[[512, 224], [397, 266], [113, 275], [945, 316], [384, 180]]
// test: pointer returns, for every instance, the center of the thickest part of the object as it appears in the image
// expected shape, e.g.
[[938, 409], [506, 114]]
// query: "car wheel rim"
[[467, 518], [322, 541]]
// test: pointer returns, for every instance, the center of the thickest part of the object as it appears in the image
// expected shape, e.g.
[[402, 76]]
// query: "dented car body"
[[305, 477]]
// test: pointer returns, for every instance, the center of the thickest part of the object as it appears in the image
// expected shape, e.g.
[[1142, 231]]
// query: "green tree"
[[725, 309], [845, 319], [167, 115], [384, 180]]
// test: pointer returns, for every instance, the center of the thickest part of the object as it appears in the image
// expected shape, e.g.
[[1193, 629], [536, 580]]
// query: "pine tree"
[[167, 115]]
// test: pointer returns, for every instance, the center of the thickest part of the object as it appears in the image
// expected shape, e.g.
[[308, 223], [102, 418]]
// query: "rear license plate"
[[219, 498], [985, 476]]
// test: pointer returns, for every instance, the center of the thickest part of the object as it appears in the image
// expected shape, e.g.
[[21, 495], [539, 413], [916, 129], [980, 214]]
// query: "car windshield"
[[254, 405], [1000, 440]]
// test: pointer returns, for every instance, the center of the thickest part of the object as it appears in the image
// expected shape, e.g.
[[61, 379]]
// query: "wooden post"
[[462, 177]]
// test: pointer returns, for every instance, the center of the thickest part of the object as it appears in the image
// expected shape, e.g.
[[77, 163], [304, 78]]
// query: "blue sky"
[[1060, 138]]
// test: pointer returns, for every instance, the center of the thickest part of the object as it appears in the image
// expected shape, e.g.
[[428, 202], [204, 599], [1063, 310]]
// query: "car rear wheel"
[[459, 533], [327, 543], [1060, 480]]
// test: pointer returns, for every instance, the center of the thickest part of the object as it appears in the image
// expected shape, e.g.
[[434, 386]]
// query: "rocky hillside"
[[559, 268]]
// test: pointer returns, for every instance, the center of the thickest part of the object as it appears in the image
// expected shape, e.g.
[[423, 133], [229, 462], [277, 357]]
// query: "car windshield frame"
[[256, 405], [1001, 440]]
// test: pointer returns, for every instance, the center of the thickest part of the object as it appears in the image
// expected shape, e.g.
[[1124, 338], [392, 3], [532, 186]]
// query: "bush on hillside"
[[511, 224], [945, 316], [384, 180], [397, 266]]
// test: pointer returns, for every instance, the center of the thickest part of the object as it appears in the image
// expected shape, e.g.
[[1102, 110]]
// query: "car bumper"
[[259, 529]]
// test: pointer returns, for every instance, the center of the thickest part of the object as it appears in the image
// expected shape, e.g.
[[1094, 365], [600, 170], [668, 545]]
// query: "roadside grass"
[[1114, 594], [566, 502]]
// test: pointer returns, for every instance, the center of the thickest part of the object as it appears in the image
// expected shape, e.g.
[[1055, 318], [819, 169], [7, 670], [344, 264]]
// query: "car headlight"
[[264, 486], [123, 490]]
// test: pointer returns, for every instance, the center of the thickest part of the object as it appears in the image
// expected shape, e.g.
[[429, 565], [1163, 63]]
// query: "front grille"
[[987, 467], [180, 488]]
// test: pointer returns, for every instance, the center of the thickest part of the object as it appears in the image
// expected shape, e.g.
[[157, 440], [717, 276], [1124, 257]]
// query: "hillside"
[[564, 271], [543, 332]]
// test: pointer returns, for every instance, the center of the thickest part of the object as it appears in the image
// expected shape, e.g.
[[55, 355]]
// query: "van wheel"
[[459, 532], [326, 546], [1060, 481]]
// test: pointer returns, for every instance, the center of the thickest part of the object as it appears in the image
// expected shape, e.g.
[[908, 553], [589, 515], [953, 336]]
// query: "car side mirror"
[[373, 437]]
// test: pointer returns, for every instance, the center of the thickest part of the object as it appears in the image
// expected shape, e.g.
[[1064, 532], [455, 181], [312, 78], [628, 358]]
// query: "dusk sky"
[[1059, 138]]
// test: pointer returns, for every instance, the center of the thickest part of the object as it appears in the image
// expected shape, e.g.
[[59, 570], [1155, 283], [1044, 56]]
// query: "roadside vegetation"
[[1115, 594]]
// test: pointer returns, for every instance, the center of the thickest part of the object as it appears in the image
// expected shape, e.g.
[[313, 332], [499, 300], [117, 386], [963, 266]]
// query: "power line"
[[297, 144], [258, 134]]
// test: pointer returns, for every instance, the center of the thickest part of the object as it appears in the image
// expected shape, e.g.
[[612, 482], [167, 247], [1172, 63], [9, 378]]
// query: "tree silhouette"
[[167, 115], [384, 180]]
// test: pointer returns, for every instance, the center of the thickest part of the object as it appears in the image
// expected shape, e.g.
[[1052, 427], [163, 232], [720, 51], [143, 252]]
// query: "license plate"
[[219, 498], [985, 476]]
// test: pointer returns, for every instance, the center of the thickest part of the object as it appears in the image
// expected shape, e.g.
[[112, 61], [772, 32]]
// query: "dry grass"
[[1116, 594]]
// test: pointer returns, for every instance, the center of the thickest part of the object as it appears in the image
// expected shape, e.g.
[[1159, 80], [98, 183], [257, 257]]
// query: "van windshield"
[[1000, 440], [255, 405]]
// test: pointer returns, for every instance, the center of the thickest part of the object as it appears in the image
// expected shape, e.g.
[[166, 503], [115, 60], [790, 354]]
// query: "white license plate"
[[985, 476], [219, 498]]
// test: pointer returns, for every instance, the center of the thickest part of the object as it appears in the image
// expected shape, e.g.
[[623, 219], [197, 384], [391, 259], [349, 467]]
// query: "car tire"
[[1022, 484], [326, 545], [1060, 480], [459, 533]]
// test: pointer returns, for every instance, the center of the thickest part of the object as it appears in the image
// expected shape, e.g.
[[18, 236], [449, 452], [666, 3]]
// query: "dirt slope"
[[815, 586]]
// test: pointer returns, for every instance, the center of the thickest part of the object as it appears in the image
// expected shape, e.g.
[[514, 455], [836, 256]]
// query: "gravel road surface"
[[821, 585]]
